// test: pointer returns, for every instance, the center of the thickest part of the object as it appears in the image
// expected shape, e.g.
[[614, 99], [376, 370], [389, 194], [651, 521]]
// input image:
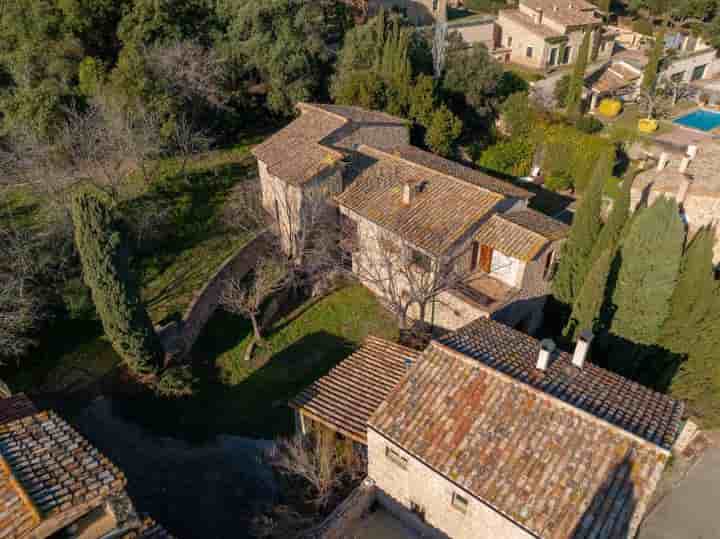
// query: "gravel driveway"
[[210, 491]]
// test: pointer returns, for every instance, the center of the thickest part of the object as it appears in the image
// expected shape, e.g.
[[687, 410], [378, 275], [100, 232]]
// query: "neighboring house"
[[491, 433], [689, 59], [617, 79], [544, 34], [691, 178], [418, 12], [404, 209], [53, 481]]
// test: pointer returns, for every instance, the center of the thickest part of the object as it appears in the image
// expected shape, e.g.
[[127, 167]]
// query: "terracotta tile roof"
[[443, 208], [16, 407], [634, 408], [320, 137], [52, 468], [613, 77], [152, 530], [345, 398], [436, 163], [520, 234], [552, 469], [581, 13], [528, 23]]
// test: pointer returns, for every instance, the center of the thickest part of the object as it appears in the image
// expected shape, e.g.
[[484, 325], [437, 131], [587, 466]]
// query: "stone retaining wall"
[[178, 337], [346, 514]]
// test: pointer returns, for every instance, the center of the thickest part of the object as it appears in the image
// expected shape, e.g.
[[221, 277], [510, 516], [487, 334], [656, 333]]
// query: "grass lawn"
[[74, 353], [248, 398]]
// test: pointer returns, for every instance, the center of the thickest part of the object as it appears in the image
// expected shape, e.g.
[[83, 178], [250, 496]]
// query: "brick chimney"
[[547, 347], [582, 347]]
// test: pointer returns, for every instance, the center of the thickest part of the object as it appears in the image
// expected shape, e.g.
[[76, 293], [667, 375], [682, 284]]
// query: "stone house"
[[412, 218], [544, 34], [490, 433], [53, 481], [418, 12], [691, 178]]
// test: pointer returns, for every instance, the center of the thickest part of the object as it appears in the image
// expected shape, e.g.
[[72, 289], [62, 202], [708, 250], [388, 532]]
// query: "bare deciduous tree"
[[246, 296], [243, 211], [186, 141]]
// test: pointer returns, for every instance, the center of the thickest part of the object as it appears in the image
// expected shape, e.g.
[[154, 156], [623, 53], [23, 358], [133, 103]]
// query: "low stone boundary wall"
[[178, 338], [346, 514]]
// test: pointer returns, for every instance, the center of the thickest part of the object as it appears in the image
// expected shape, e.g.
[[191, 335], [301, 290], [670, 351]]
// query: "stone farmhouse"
[[490, 433], [53, 481], [544, 34], [411, 218], [691, 178]]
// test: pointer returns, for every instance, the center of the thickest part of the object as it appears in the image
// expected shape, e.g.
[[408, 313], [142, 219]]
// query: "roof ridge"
[[373, 338], [535, 233], [314, 107], [552, 398], [432, 170]]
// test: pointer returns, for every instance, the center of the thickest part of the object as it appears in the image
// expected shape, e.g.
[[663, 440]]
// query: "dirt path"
[[198, 492]]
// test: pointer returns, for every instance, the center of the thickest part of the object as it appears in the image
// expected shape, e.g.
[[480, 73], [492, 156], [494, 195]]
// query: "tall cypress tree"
[[577, 79], [650, 258], [576, 251], [693, 295], [586, 312], [653, 66], [105, 262], [611, 232]]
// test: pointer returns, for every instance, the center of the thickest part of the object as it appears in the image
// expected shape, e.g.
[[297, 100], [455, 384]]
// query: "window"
[[435, 5], [459, 502], [549, 270], [553, 57], [529, 52], [677, 77], [396, 457], [509, 41], [474, 255], [698, 73], [567, 51]]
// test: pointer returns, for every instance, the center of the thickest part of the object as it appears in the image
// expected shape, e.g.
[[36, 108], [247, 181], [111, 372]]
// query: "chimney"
[[684, 164], [683, 189], [662, 163], [407, 192], [582, 347], [692, 151], [547, 347], [539, 16]]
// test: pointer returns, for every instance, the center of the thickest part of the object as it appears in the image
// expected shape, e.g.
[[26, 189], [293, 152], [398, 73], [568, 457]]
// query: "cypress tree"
[[586, 312], [649, 266], [577, 79], [576, 251], [105, 262], [693, 295], [653, 66], [611, 232]]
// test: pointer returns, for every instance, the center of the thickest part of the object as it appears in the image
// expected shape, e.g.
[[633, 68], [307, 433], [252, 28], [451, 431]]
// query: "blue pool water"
[[705, 120]]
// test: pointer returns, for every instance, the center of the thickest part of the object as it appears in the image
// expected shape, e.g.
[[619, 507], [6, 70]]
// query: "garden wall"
[[178, 337]]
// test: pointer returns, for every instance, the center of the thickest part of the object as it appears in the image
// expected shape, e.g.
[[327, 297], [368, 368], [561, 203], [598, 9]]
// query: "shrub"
[[610, 107], [513, 157], [560, 94], [643, 26], [176, 382], [589, 124]]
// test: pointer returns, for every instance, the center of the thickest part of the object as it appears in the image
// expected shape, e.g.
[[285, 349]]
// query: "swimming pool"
[[704, 120]]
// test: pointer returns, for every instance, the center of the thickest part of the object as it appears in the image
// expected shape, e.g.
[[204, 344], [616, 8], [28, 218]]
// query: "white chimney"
[[692, 151], [663, 161], [582, 347], [547, 347], [684, 164], [407, 190]]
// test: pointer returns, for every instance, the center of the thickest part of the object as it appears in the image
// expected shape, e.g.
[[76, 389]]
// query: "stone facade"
[[416, 485], [700, 65]]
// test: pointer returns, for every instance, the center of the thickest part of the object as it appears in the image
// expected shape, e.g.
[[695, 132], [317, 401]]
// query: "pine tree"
[[653, 66], [693, 295], [611, 232], [650, 258], [576, 251], [586, 312], [105, 262], [577, 79]]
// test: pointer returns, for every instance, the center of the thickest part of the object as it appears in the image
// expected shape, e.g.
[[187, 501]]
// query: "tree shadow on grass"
[[236, 397]]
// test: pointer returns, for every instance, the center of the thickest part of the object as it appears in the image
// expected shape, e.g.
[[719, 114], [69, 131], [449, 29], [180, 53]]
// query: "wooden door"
[[486, 253]]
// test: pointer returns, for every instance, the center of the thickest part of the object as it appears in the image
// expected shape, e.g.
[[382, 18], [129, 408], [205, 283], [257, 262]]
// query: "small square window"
[[459, 502], [529, 52], [509, 41], [396, 457]]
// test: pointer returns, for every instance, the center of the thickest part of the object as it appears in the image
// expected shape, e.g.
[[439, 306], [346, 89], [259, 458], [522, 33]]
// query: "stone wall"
[[178, 338], [417, 483], [346, 515], [687, 64]]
